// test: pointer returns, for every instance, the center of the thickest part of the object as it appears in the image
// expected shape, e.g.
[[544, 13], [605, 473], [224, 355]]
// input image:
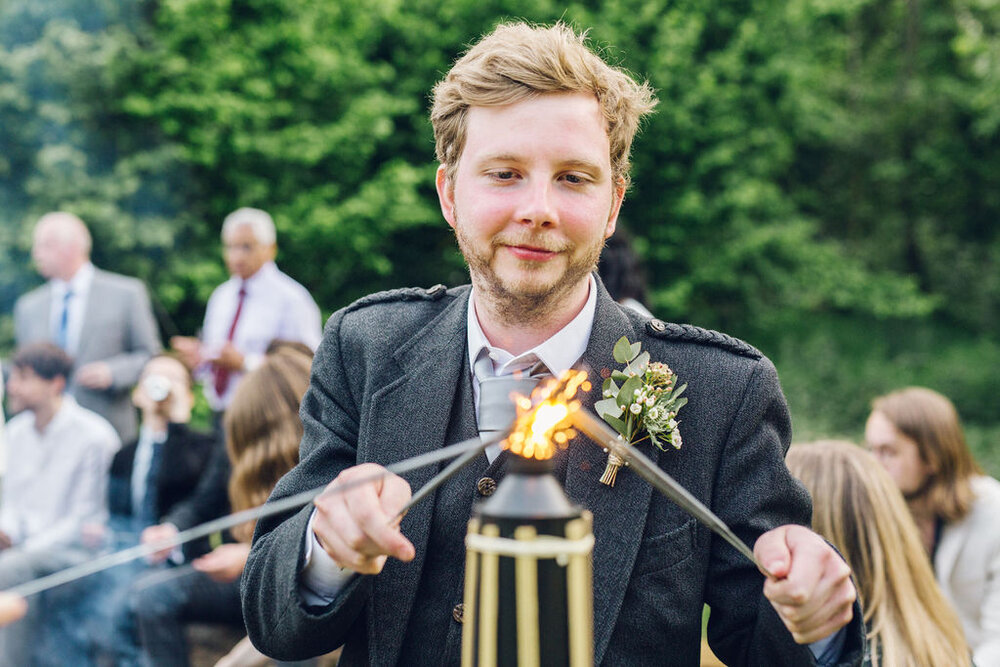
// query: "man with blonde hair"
[[533, 135], [102, 320], [917, 436]]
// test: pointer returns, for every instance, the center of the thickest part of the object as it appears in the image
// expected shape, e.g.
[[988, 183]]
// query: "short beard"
[[522, 308]]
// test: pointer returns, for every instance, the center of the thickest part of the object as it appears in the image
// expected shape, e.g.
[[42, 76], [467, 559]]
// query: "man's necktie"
[[496, 408], [62, 333], [221, 375], [148, 510]]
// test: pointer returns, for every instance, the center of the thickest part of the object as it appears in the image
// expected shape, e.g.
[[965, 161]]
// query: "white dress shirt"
[[275, 306], [56, 480], [79, 284], [322, 578]]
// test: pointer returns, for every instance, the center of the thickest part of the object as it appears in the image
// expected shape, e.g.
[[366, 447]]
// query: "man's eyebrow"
[[571, 163]]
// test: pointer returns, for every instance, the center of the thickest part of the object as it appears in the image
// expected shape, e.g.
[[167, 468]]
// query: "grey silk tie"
[[496, 408]]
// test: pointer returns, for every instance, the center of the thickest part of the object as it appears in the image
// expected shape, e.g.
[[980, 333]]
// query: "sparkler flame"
[[543, 420]]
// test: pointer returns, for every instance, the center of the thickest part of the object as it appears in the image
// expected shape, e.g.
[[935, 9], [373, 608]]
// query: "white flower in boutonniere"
[[640, 401]]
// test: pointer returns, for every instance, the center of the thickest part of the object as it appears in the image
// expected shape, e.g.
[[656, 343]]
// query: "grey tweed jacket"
[[118, 328], [390, 380]]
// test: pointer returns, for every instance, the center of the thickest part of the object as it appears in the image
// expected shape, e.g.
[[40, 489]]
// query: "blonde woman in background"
[[263, 431], [858, 508]]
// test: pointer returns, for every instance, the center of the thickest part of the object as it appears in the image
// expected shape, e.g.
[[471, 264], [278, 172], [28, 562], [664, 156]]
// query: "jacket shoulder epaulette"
[[401, 294], [689, 333]]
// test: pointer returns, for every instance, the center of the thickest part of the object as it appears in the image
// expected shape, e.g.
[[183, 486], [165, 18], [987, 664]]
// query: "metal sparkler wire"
[[604, 435], [465, 449]]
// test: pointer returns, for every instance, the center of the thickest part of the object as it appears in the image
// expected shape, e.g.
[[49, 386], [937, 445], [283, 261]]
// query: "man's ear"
[[446, 194], [616, 207]]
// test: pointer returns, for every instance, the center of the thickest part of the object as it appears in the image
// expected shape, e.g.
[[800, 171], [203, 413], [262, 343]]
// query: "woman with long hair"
[[263, 431], [859, 509]]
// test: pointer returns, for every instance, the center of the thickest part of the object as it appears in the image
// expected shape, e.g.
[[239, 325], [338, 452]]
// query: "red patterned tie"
[[222, 374]]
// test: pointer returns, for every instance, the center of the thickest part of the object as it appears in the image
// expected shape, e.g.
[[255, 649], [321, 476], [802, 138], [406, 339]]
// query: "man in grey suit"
[[103, 320], [533, 133]]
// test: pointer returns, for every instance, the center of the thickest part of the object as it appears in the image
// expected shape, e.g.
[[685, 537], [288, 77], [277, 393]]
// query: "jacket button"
[[658, 326], [436, 290], [458, 612], [486, 486]]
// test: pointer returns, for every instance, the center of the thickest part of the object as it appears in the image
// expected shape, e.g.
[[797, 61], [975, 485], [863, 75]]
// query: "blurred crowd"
[[99, 454]]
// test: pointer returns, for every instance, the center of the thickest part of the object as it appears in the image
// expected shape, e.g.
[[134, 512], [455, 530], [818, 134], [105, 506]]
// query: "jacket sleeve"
[[278, 622], [143, 340], [744, 629]]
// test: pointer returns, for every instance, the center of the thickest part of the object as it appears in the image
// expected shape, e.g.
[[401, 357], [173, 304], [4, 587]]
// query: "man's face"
[[533, 197], [27, 390], [898, 454], [243, 253], [52, 254], [171, 370]]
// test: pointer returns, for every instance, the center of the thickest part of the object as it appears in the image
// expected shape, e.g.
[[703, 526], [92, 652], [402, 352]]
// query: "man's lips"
[[531, 253]]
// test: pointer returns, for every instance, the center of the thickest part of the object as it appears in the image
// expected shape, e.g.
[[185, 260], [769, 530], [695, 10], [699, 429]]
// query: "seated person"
[[149, 478], [917, 436], [857, 507], [56, 481], [262, 436]]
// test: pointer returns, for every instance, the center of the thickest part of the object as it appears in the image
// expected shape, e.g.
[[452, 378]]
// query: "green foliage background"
[[820, 177]]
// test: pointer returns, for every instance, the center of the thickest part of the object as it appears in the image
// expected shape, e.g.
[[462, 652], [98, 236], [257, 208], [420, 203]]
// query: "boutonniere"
[[640, 401]]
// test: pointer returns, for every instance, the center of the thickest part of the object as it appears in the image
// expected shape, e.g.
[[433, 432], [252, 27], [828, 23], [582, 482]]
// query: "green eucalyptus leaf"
[[627, 393], [619, 375], [623, 351], [680, 404], [638, 365], [607, 407], [616, 423], [634, 350]]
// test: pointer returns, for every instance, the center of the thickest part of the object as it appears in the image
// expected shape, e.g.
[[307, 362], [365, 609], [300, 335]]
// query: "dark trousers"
[[164, 601]]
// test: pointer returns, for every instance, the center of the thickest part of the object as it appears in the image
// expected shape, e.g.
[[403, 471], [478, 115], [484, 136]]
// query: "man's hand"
[[813, 592], [225, 563], [158, 533], [357, 527], [229, 358], [188, 348], [12, 607], [95, 375]]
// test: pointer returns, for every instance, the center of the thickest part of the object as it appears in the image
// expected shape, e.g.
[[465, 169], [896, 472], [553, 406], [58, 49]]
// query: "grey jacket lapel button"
[[656, 326]]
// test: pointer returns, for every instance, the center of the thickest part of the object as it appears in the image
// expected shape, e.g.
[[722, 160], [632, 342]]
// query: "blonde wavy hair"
[[263, 428], [931, 421], [859, 509], [518, 61]]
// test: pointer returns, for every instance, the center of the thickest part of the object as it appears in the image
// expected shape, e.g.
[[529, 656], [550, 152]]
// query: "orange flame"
[[543, 421]]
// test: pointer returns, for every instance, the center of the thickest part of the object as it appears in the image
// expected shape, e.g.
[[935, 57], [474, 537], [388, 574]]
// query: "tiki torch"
[[528, 591]]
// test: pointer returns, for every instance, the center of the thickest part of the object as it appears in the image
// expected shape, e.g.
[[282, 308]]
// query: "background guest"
[[244, 314], [56, 481], [857, 507], [103, 320], [622, 273], [263, 431], [917, 436]]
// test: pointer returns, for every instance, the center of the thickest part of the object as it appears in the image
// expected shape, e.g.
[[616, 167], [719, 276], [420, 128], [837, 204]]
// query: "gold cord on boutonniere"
[[640, 401]]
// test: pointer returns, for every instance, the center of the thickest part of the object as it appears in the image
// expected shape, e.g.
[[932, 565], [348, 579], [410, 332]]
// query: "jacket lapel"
[[619, 511], [90, 315], [409, 417]]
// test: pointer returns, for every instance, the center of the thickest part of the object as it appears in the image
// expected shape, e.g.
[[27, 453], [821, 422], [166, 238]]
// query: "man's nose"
[[538, 205]]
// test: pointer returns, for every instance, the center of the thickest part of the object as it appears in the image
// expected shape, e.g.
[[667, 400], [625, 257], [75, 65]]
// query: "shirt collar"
[[79, 283], [263, 273], [558, 353]]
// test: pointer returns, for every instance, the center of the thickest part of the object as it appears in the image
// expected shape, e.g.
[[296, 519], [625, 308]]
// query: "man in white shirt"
[[56, 480], [256, 305], [102, 320]]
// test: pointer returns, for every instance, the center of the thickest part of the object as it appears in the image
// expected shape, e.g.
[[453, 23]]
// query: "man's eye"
[[575, 179], [503, 175]]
